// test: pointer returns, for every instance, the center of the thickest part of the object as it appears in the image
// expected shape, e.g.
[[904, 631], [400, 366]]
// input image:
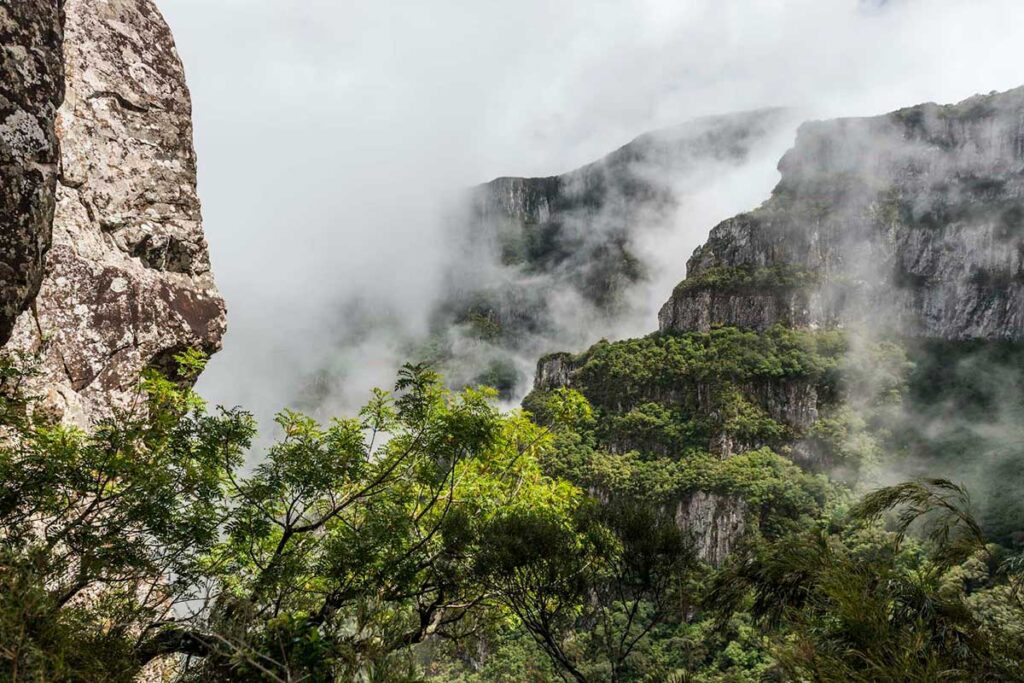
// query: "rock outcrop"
[[31, 90], [542, 262], [705, 424], [714, 522], [904, 226], [554, 371], [127, 280], [916, 217]]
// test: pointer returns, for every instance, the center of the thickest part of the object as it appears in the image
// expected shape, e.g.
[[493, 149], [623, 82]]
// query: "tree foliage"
[[100, 530], [855, 604], [435, 537], [347, 544]]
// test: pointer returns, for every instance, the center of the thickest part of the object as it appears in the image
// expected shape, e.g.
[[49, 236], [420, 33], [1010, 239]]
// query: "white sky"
[[328, 131]]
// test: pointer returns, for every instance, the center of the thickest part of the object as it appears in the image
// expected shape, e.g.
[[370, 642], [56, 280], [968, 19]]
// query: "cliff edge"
[[126, 282], [913, 219]]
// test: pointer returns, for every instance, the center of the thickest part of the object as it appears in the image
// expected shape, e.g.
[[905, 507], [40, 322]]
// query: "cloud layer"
[[331, 133]]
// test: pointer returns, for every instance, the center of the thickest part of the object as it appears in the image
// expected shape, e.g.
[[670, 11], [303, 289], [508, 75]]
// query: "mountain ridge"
[[881, 231]]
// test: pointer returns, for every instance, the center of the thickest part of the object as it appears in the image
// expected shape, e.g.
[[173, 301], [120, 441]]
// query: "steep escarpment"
[[913, 220], [850, 325], [126, 283], [31, 90], [580, 224], [541, 262]]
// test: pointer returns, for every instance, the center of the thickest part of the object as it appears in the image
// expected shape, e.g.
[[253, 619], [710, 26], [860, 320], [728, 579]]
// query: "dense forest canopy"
[[435, 537]]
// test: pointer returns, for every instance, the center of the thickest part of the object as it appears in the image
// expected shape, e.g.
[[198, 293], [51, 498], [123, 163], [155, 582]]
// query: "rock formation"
[[31, 89], [582, 223], [714, 521], [127, 280], [702, 399], [916, 217], [906, 226], [539, 262]]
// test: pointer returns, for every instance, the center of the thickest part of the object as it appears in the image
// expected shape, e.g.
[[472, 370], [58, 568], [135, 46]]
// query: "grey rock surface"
[[127, 281], [715, 523], [580, 225], [554, 371], [916, 216], [31, 90]]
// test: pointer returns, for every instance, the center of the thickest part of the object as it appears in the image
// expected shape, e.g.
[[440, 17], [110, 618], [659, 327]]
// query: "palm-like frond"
[[942, 506]]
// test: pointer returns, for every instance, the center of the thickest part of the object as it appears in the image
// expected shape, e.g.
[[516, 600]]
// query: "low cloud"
[[332, 136]]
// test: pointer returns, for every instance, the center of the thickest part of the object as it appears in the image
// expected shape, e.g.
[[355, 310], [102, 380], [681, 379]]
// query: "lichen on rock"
[[31, 90], [127, 281]]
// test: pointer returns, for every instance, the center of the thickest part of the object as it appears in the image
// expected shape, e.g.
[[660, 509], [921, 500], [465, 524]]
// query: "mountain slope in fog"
[[541, 263], [865, 321], [914, 220]]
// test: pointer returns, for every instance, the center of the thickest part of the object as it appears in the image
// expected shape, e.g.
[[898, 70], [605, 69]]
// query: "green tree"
[[590, 588], [857, 604], [346, 546], [350, 544], [99, 531]]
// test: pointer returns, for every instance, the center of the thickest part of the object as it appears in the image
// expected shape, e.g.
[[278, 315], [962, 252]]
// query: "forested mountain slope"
[[865, 321], [540, 262]]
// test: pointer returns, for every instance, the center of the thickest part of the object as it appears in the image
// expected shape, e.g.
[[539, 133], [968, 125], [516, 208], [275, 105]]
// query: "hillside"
[[855, 324], [811, 471], [540, 262]]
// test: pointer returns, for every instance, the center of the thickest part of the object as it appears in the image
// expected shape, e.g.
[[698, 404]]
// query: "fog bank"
[[332, 134]]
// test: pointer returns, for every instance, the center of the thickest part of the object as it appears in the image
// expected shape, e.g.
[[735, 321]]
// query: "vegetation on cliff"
[[434, 537]]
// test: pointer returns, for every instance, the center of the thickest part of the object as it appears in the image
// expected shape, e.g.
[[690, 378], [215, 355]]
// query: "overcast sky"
[[329, 131]]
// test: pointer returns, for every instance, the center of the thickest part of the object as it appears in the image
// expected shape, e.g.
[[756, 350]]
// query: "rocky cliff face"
[[31, 90], [907, 226], [541, 262], [714, 522], [581, 224], [127, 281], [916, 217], [707, 424]]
